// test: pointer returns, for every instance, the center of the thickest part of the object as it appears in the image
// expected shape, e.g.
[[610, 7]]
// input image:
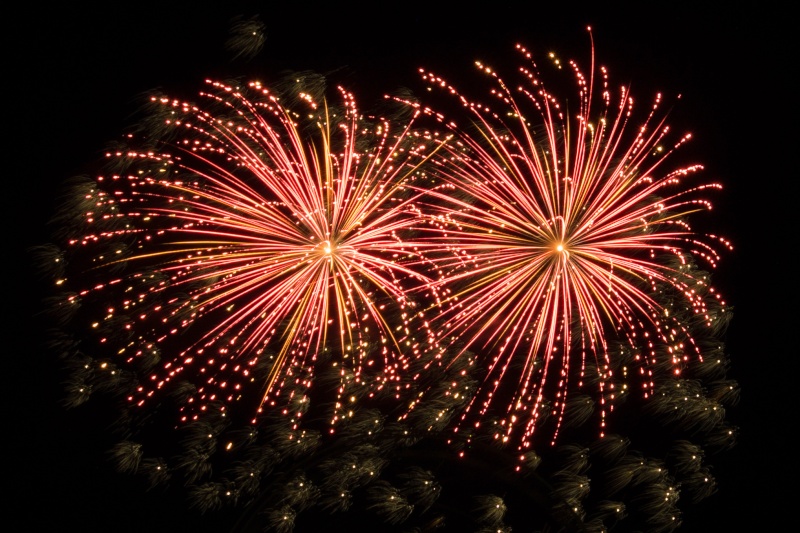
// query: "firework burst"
[[244, 233], [264, 249], [564, 228]]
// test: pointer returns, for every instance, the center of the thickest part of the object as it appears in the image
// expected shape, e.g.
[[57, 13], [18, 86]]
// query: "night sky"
[[73, 82]]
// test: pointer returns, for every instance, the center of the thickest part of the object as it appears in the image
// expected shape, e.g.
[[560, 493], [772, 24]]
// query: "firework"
[[244, 234], [564, 229], [268, 245], [247, 37]]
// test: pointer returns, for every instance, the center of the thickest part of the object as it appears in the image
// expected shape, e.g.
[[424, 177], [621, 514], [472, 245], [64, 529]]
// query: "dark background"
[[73, 74]]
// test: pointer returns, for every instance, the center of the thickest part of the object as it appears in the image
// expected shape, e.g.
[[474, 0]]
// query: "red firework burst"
[[563, 225], [246, 240]]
